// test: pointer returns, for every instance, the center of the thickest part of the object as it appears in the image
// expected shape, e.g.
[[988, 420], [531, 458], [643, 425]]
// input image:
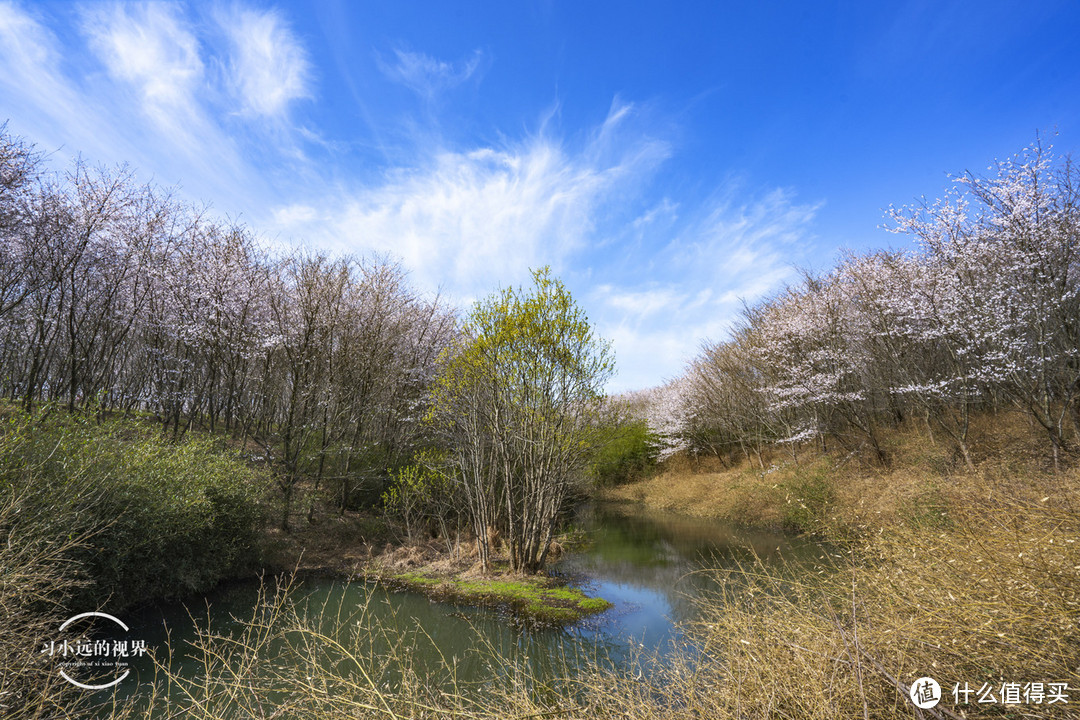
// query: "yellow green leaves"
[[515, 399]]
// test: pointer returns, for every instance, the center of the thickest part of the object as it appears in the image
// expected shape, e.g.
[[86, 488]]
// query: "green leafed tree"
[[517, 399]]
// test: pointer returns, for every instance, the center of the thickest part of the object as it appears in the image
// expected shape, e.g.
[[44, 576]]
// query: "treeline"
[[983, 315], [116, 297]]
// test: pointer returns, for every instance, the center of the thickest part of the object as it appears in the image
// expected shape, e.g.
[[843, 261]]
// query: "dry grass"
[[36, 574], [840, 495], [968, 577], [993, 596], [992, 599]]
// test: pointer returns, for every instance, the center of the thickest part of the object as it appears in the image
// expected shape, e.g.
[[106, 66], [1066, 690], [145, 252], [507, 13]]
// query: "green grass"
[[534, 598]]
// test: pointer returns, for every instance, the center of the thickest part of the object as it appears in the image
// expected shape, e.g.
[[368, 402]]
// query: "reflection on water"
[[650, 565], [653, 565], [443, 642]]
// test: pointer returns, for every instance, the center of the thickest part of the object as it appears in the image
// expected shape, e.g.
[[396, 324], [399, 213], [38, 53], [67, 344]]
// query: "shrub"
[[627, 452], [161, 519], [422, 497]]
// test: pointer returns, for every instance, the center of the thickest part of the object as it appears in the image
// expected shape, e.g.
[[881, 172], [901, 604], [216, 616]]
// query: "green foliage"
[[161, 519], [421, 497], [626, 452], [516, 402], [535, 349]]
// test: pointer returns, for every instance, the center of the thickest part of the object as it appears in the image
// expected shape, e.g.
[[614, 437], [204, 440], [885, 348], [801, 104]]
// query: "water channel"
[[650, 565]]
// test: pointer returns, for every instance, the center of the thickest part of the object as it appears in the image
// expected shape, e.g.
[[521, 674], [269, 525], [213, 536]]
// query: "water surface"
[[651, 565]]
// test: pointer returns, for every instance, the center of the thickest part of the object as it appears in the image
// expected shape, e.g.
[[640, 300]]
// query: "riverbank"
[[360, 546], [984, 596], [839, 495], [969, 576]]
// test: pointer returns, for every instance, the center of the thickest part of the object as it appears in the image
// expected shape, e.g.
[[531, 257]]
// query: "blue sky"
[[667, 160]]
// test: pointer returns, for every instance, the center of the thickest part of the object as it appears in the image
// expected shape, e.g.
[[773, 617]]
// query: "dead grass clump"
[[994, 599]]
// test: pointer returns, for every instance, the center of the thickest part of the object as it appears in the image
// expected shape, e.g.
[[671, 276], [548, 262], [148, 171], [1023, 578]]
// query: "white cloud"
[[642, 303], [470, 220], [58, 100], [427, 76], [26, 44], [269, 67], [297, 214], [35, 91], [150, 48], [744, 236], [695, 284], [657, 279], [479, 216], [132, 83], [647, 358]]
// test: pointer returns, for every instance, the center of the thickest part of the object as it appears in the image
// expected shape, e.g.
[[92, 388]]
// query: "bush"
[[161, 519], [422, 498], [627, 452], [36, 579]]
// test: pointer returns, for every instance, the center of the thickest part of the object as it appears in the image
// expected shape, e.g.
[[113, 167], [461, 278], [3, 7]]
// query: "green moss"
[[594, 605], [536, 598], [415, 578]]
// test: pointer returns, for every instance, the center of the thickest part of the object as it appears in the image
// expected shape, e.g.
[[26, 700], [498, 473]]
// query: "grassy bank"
[[454, 575], [533, 598], [840, 494]]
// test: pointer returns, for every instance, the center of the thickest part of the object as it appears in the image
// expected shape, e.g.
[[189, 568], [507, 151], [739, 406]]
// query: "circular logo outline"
[[94, 613], [930, 701]]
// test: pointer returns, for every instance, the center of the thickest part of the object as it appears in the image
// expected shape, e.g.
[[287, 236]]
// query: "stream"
[[648, 564]]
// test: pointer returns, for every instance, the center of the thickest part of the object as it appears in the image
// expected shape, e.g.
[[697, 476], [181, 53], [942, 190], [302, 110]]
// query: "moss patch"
[[535, 598]]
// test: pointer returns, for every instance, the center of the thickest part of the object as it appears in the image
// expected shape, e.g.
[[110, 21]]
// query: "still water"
[[650, 565]]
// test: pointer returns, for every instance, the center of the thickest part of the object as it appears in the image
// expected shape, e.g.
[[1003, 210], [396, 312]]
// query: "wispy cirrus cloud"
[[151, 49], [427, 76], [269, 67], [28, 50], [155, 85], [695, 284], [468, 220], [656, 279], [36, 92]]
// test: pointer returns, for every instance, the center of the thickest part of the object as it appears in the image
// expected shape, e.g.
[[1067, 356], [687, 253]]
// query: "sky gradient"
[[669, 161]]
